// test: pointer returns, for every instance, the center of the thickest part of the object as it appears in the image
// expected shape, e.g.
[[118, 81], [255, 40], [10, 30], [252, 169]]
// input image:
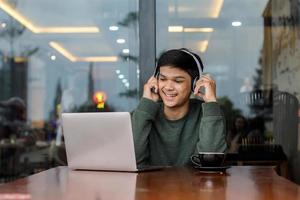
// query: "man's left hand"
[[209, 85]]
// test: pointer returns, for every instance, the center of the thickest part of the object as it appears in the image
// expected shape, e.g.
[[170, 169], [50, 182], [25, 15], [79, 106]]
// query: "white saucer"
[[212, 169]]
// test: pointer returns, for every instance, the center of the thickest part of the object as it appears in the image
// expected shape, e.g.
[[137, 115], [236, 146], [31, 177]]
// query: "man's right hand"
[[151, 89]]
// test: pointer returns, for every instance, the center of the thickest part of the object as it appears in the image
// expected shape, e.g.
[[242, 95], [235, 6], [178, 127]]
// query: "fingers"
[[207, 77], [151, 89], [204, 82], [206, 88], [153, 84], [151, 79]]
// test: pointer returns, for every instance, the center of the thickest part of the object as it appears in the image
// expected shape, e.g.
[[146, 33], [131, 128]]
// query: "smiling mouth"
[[170, 95]]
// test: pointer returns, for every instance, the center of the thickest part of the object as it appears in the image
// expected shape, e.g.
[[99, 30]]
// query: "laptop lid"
[[99, 141]]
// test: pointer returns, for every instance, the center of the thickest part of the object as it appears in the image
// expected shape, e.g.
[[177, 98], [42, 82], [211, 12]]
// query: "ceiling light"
[[118, 71], [63, 51], [137, 71], [126, 85], [121, 76], [202, 46], [236, 23], [12, 12], [126, 51], [124, 80], [212, 10], [3, 24], [66, 30], [113, 28], [121, 41], [173, 9], [97, 59], [53, 57], [216, 8], [74, 58], [35, 29], [194, 30], [175, 28]]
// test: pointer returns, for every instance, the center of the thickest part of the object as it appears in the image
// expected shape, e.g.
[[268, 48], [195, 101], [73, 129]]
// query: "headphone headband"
[[198, 63]]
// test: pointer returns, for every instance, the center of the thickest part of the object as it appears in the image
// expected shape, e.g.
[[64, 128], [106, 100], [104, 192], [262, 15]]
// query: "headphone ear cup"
[[156, 75], [156, 72], [194, 83]]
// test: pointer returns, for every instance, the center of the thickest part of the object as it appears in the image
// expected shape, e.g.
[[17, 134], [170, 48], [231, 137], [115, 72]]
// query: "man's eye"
[[162, 79], [178, 81]]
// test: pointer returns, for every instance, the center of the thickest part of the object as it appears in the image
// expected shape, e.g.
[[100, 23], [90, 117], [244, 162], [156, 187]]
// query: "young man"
[[168, 126]]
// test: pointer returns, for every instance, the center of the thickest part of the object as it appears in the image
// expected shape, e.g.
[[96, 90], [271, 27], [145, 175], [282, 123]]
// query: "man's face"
[[174, 86]]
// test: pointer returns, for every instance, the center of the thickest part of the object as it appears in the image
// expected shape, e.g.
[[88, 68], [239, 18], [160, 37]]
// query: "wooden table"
[[267, 155], [239, 182]]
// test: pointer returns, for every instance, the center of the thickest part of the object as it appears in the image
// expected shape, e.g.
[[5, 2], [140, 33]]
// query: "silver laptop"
[[99, 141]]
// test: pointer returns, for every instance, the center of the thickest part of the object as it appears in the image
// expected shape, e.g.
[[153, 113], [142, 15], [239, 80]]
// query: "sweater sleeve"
[[212, 129], [142, 119]]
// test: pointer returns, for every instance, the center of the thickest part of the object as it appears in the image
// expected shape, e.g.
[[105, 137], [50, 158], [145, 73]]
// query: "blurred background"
[[95, 56]]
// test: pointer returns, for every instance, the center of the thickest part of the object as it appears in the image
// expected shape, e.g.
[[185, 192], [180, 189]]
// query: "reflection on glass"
[[251, 49], [102, 185], [58, 57], [228, 42]]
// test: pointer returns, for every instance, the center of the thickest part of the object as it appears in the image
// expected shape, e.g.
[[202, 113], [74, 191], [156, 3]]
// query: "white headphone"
[[198, 63]]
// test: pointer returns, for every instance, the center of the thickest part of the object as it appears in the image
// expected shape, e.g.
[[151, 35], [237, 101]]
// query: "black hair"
[[180, 58]]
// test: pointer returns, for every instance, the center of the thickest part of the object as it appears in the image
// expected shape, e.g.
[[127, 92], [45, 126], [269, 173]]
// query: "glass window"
[[251, 49], [228, 41], [62, 56]]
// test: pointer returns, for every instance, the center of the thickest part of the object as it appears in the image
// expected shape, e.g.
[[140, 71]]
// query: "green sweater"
[[159, 141]]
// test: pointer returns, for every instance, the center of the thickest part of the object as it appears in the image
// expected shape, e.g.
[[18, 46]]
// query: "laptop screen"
[[99, 141]]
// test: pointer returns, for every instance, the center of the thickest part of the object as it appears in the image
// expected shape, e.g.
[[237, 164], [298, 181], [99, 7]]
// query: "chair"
[[286, 118]]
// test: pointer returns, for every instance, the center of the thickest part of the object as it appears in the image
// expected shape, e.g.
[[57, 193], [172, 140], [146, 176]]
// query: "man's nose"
[[169, 85]]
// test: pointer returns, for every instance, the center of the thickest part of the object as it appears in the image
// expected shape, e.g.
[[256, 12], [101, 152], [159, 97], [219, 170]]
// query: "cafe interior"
[[95, 56]]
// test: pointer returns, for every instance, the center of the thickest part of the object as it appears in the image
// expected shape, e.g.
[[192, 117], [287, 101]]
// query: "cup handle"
[[195, 162]]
